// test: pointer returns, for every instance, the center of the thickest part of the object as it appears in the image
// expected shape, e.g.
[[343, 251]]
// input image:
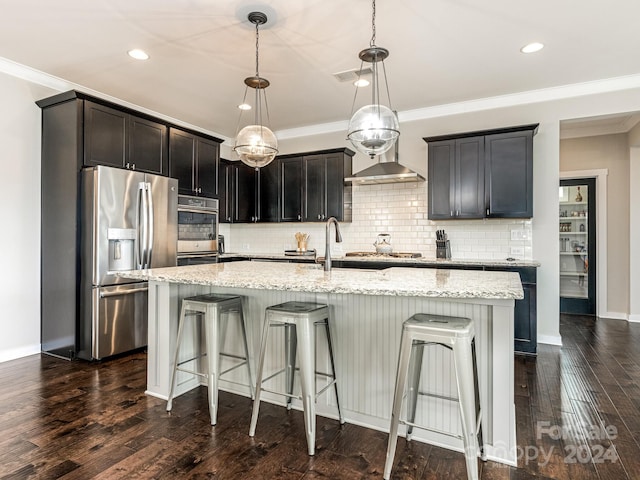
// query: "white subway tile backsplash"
[[398, 209]]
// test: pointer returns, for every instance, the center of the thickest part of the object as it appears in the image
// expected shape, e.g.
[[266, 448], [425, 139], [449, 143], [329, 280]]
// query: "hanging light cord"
[[375, 87], [258, 93], [258, 112], [257, 49], [372, 43]]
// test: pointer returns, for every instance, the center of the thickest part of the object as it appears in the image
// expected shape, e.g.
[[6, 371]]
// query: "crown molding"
[[317, 129], [522, 98], [46, 80], [489, 103]]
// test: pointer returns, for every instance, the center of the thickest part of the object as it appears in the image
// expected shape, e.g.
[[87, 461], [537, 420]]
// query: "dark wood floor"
[[577, 409]]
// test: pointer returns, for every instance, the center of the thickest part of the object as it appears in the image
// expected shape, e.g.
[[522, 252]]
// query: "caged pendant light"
[[374, 128], [256, 144]]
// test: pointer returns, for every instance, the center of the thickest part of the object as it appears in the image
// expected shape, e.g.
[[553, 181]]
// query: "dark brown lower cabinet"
[[526, 325]]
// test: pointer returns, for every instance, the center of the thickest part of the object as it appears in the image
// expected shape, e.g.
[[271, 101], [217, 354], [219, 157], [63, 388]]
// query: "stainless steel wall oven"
[[197, 230]]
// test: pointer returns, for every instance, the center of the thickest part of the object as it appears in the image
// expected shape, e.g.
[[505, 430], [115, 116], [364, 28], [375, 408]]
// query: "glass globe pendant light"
[[374, 128], [256, 144]]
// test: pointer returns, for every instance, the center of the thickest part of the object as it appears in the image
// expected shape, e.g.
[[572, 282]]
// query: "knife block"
[[443, 249]]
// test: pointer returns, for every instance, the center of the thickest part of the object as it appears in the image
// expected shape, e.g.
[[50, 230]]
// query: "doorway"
[[577, 235]]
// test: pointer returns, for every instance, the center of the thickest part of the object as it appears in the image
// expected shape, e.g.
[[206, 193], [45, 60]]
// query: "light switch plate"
[[517, 251]]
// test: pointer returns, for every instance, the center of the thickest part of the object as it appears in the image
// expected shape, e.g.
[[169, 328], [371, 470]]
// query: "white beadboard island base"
[[368, 308]]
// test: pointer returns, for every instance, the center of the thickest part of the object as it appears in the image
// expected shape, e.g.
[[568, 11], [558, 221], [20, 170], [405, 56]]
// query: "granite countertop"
[[376, 258], [395, 281]]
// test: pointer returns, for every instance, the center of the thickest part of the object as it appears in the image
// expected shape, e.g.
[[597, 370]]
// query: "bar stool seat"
[[211, 308], [299, 320], [458, 335]]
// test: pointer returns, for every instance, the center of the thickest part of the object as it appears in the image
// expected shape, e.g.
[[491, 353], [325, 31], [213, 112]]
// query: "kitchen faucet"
[[327, 247]]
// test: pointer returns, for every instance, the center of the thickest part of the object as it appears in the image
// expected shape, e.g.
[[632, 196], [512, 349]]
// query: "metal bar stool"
[[299, 320], [211, 308], [453, 333]]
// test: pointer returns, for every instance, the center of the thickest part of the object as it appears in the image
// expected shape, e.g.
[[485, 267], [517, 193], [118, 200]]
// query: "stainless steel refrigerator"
[[128, 221]]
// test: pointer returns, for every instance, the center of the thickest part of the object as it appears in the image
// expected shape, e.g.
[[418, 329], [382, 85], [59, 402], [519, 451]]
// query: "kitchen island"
[[368, 308]]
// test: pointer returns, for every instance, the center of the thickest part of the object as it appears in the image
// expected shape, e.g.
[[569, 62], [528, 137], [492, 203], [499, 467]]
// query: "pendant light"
[[374, 128], [256, 145]]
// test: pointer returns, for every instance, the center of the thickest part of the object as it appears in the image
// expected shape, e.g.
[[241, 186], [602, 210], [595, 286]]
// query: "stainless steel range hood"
[[385, 172]]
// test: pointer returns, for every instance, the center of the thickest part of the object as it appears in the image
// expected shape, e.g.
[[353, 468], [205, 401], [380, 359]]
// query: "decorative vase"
[[579, 196]]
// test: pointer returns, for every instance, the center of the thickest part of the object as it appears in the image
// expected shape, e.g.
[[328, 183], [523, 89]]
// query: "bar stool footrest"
[[428, 429]]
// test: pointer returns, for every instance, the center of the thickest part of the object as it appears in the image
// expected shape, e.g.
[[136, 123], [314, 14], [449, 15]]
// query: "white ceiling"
[[442, 51]]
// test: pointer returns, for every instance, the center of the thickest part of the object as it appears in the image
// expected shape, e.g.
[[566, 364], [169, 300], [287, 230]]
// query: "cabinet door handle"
[[299, 217], [133, 166], [457, 213], [228, 219], [451, 213], [319, 217], [488, 212], [126, 165]]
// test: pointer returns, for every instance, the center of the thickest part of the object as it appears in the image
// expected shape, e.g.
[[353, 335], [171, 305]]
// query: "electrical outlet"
[[245, 246], [517, 251], [518, 234]]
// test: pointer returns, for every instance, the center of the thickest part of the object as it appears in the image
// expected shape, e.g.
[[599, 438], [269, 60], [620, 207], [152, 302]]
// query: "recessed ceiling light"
[[138, 54], [244, 106], [361, 82], [532, 47]]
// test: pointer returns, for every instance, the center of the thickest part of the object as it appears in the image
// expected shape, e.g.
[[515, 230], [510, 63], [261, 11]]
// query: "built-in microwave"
[[197, 230]]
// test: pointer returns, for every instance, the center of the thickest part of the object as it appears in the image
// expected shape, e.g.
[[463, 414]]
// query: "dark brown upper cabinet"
[[106, 133], [509, 174], [194, 160], [268, 195], [291, 175], [250, 195], [484, 174], [313, 187], [120, 139], [456, 178], [293, 188]]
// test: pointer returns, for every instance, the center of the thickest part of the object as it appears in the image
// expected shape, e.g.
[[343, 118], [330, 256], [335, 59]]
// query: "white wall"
[[20, 207]]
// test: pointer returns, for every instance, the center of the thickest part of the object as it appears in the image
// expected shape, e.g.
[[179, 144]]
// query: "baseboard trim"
[[614, 316], [550, 339], [15, 353], [634, 318]]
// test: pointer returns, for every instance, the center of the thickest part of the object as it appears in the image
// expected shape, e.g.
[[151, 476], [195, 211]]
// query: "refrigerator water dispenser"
[[121, 249]]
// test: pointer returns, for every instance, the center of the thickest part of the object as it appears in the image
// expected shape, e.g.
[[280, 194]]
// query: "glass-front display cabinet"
[[576, 228]]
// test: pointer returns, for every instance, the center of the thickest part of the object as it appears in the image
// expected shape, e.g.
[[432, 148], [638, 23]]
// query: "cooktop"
[[392, 254]]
